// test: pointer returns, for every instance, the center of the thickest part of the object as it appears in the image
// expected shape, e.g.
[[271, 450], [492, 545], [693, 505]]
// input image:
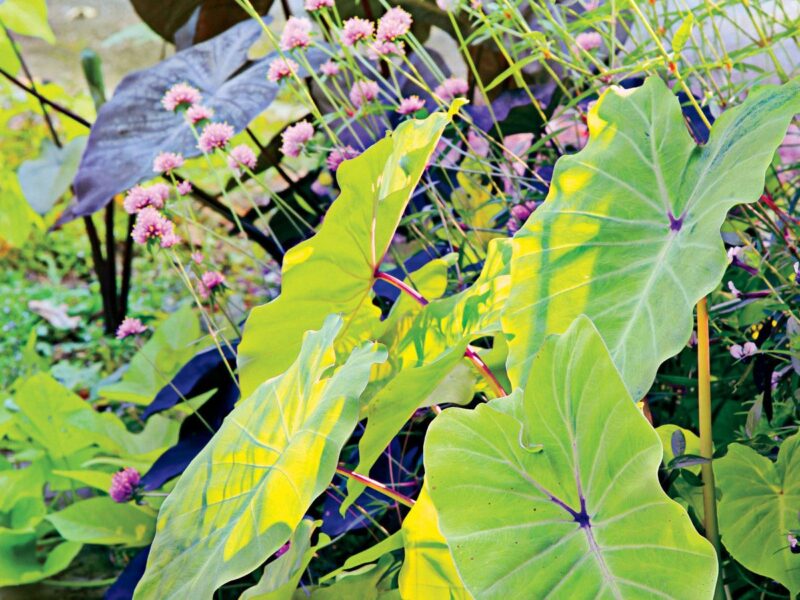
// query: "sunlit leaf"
[[759, 505], [428, 572], [27, 17], [629, 233], [247, 491], [546, 498], [334, 271]]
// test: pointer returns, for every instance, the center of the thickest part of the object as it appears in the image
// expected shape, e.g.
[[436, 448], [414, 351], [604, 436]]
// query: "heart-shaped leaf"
[[629, 233], [133, 127], [334, 271], [247, 491], [103, 521], [542, 498], [759, 505], [47, 178]]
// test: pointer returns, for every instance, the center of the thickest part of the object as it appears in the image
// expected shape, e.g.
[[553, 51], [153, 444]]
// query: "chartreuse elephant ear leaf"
[[559, 497], [629, 233], [759, 506], [334, 271], [247, 491]]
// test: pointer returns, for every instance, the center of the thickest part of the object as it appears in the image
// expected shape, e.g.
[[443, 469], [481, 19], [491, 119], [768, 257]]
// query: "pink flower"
[[130, 326], [296, 33], [739, 352], [339, 155], [520, 214], [568, 129], [356, 30], [184, 188], [212, 279], [394, 23], [379, 49], [315, 5], [241, 156], [478, 144], [447, 5], [450, 88], [280, 69], [197, 113], [410, 105], [363, 92], [152, 225], [139, 197], [589, 40], [329, 68], [166, 162], [197, 257], [124, 484], [215, 135], [180, 95], [295, 137]]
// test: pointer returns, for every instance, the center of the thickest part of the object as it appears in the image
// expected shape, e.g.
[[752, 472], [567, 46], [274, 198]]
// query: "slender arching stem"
[[706, 437], [377, 486], [469, 353]]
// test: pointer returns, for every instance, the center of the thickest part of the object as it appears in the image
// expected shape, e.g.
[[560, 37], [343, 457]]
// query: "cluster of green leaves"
[[551, 490], [60, 451]]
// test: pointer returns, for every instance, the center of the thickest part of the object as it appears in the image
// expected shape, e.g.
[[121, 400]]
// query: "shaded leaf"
[[103, 521], [759, 505], [47, 178], [133, 127], [629, 233], [247, 491], [582, 517]]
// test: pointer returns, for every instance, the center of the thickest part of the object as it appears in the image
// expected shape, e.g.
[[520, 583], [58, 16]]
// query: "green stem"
[[707, 438]]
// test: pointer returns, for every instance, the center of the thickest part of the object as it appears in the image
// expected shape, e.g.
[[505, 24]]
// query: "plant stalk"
[[377, 486], [469, 353], [706, 438]]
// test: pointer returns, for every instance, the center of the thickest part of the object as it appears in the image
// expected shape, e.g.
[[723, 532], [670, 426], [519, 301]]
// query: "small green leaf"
[[245, 494], [27, 17], [682, 34], [759, 505], [583, 518], [103, 521]]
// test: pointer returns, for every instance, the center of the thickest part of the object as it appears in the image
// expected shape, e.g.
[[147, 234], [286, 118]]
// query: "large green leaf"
[[27, 17], [629, 233], [246, 492], [428, 572], [579, 515], [334, 271], [103, 521], [760, 503]]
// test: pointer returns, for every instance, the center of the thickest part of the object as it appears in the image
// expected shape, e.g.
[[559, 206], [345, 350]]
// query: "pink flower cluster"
[[315, 5], [166, 162], [151, 225], [357, 30], [241, 156], [214, 136], [130, 326], [180, 96], [395, 23], [209, 281], [450, 88], [196, 114], [296, 33], [339, 155], [124, 484], [280, 69], [140, 197], [329, 68], [410, 105], [296, 137], [363, 92]]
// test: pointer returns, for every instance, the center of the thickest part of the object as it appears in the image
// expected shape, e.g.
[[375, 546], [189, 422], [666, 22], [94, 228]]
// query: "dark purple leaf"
[[133, 127], [123, 587], [678, 442]]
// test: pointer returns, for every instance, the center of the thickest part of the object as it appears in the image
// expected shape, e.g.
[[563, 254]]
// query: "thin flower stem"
[[469, 353], [706, 437], [377, 486]]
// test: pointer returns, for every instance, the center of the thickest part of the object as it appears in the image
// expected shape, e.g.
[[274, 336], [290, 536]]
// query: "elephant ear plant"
[[551, 488]]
